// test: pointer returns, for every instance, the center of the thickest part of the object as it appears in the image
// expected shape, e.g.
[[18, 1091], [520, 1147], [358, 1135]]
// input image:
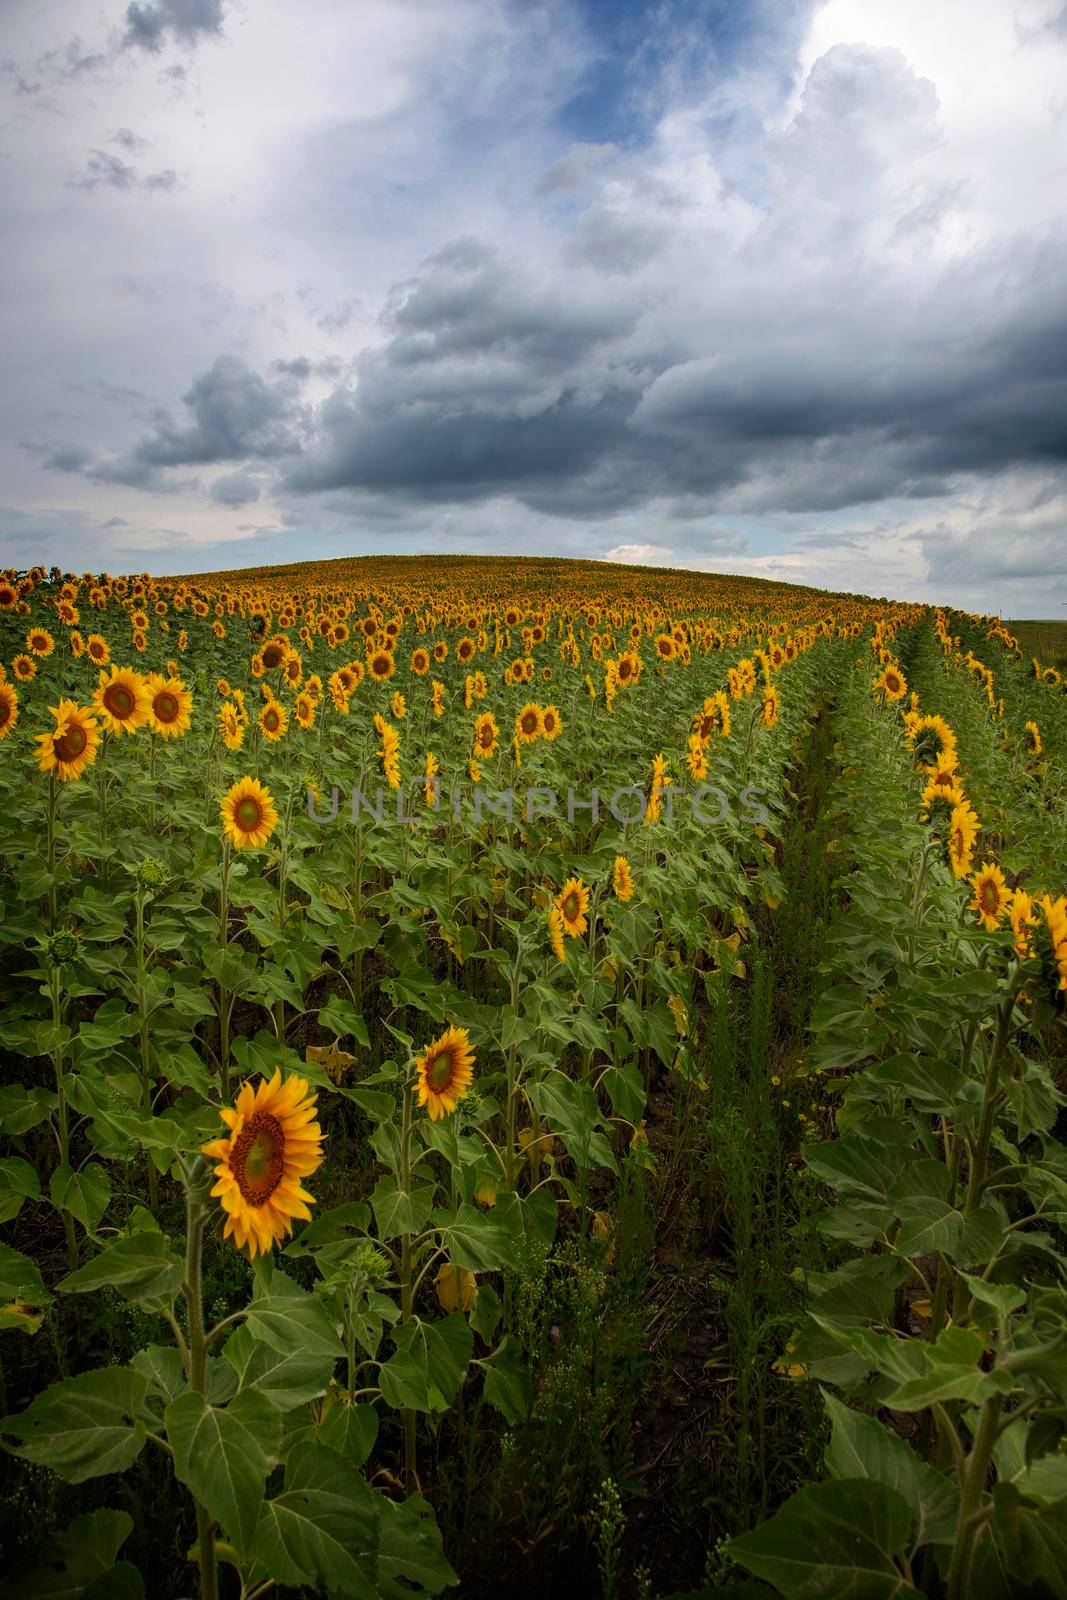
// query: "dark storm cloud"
[[236, 416], [151, 26]]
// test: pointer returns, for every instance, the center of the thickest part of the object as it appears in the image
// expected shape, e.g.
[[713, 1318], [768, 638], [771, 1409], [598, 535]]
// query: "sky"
[[775, 287]]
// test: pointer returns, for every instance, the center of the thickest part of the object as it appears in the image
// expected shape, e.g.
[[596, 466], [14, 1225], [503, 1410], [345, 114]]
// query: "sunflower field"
[[528, 1077]]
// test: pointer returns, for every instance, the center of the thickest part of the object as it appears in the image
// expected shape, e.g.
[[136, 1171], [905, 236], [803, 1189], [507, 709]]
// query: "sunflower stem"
[[196, 1187], [146, 1071], [406, 1297]]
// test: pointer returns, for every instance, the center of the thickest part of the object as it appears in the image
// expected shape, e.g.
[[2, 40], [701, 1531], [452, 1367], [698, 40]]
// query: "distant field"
[[1045, 640]]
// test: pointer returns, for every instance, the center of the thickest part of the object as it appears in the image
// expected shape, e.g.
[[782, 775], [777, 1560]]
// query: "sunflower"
[[1051, 941], [892, 683], [666, 649], [485, 734], [273, 721], [572, 903], [97, 649], [431, 780], [528, 723], [444, 1072], [1022, 917], [122, 700], [39, 642], [933, 740], [622, 880], [1034, 746], [389, 752], [24, 668], [660, 781], [248, 814], [628, 668], [169, 706], [696, 756], [9, 709], [420, 662], [274, 1143], [381, 665], [71, 745], [769, 709], [9, 597], [990, 895], [231, 727], [556, 932], [77, 645], [963, 830], [399, 705], [304, 710], [551, 722]]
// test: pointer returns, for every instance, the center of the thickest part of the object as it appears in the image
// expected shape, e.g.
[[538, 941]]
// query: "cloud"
[[643, 555], [235, 489], [236, 416], [104, 170], [151, 26]]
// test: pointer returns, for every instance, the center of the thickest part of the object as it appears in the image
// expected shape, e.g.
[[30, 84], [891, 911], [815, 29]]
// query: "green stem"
[[196, 1217], [407, 1415], [973, 1487]]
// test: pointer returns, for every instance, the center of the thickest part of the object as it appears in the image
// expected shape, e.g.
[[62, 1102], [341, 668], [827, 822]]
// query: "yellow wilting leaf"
[[540, 898], [457, 1288], [769, 899], [740, 971], [740, 920], [922, 1308], [681, 1020], [332, 1059], [21, 1314]]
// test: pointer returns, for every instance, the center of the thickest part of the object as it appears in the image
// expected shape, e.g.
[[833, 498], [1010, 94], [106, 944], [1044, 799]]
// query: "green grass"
[[1046, 640]]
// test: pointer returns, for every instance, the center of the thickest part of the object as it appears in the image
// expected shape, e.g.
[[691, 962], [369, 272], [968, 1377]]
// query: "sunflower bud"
[[62, 947]]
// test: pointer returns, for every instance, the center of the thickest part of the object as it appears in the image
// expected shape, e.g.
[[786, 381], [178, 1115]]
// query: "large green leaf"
[[322, 1529], [85, 1193], [18, 1183], [139, 1265], [82, 1427], [397, 1211], [288, 1319], [410, 1557], [474, 1240], [832, 1539], [862, 1447], [287, 1379], [508, 1380], [224, 1455], [65, 1566], [429, 1364]]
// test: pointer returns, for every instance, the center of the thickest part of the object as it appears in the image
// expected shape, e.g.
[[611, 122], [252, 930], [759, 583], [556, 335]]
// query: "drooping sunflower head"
[[963, 831], [1050, 940], [71, 746], [273, 1143], [622, 881], [935, 742], [444, 1072], [122, 700], [249, 815], [170, 706], [1034, 746]]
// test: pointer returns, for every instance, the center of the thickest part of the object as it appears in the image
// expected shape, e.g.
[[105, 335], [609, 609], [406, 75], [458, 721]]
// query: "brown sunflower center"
[[248, 814], [529, 722], [270, 719], [165, 706], [69, 745], [571, 904], [5, 712], [989, 897], [440, 1070], [119, 701], [97, 651], [257, 1160], [272, 656]]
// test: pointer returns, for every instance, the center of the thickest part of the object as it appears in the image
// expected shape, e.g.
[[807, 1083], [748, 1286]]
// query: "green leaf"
[[952, 1373], [65, 1566], [474, 1240], [85, 1194], [139, 1265], [530, 1219], [396, 1211], [429, 1364], [82, 1427], [19, 1277], [835, 1538], [344, 1021], [625, 1089], [224, 1455], [927, 1225], [288, 1319], [508, 1381], [322, 1529], [350, 1430], [410, 1552], [286, 1379], [486, 1311], [22, 1109], [18, 1183], [1032, 1543], [862, 1447]]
